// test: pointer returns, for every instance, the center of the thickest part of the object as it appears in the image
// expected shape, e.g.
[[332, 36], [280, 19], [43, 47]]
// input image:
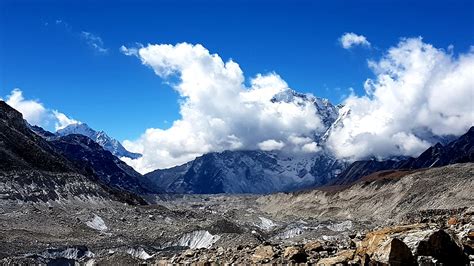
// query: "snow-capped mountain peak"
[[324, 108], [100, 137]]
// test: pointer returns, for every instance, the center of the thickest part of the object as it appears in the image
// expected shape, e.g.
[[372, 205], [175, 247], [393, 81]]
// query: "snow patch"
[[72, 253], [97, 223], [266, 224], [197, 239], [290, 233], [139, 253], [339, 227]]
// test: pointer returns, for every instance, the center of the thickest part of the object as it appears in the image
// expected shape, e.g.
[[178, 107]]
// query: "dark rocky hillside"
[[93, 160], [32, 168]]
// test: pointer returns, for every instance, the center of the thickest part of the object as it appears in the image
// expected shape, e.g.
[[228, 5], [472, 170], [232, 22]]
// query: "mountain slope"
[[387, 198], [22, 149], [93, 160], [32, 169], [100, 137], [256, 171], [460, 150], [324, 108], [246, 172]]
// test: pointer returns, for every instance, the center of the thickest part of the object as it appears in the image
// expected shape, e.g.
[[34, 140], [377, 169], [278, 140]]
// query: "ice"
[[97, 223], [197, 239], [266, 224]]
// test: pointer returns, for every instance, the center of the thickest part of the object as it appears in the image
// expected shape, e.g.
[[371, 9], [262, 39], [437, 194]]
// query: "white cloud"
[[419, 91], [33, 110], [270, 145], [311, 147], [62, 120], [94, 41], [218, 112], [129, 51], [350, 39], [35, 113]]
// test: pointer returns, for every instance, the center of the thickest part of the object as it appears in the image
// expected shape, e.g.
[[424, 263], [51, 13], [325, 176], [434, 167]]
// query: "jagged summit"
[[100, 137], [324, 108]]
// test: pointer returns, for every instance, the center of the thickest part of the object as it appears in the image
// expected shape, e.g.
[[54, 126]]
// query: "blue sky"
[[43, 50]]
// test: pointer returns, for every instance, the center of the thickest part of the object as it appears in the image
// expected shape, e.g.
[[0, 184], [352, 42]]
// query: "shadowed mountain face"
[[22, 149], [93, 160], [256, 171], [460, 150], [266, 172], [246, 172], [34, 169]]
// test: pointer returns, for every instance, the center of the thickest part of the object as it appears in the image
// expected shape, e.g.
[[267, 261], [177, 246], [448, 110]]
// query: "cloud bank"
[[218, 111], [350, 39], [419, 92], [35, 113]]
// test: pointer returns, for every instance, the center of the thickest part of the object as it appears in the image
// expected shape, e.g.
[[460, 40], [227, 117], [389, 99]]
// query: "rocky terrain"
[[373, 220]]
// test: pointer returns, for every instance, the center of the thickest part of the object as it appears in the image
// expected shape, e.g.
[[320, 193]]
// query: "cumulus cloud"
[[270, 145], [128, 51], [311, 147], [94, 41], [419, 92], [350, 39], [35, 113], [218, 111], [62, 120], [33, 110]]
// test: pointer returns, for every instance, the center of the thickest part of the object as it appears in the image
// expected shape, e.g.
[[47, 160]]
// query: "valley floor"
[[404, 219]]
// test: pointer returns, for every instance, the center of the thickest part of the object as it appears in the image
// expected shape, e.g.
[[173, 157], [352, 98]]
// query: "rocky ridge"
[[99, 137], [460, 150], [32, 168]]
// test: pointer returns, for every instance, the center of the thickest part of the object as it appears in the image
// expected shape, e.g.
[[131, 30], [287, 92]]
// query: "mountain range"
[[95, 155], [460, 150], [100, 137], [71, 167], [67, 200], [256, 171], [246, 172]]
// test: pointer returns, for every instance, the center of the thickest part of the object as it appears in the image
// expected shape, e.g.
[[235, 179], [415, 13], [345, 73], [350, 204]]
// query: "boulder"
[[341, 257], [296, 254], [452, 221], [262, 254], [404, 245], [385, 245], [313, 246], [444, 248], [189, 253]]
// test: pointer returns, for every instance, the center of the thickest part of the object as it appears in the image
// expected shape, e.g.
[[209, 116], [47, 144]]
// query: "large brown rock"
[[386, 245], [443, 247], [401, 245], [313, 246], [296, 254], [263, 254], [340, 257]]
